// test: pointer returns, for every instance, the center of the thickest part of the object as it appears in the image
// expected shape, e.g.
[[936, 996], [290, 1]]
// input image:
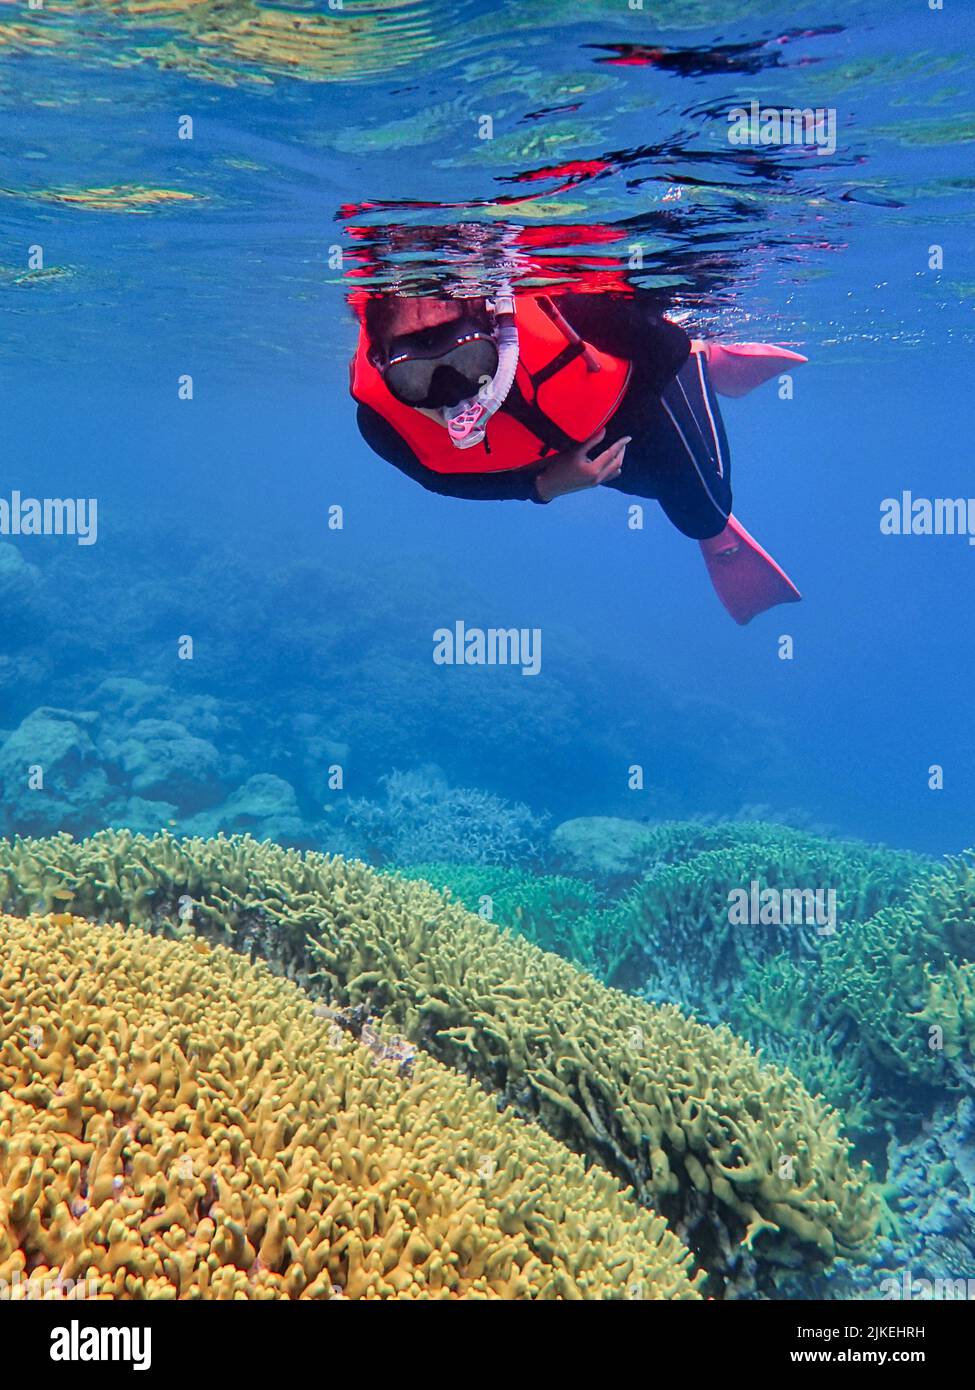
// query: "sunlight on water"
[[607, 159]]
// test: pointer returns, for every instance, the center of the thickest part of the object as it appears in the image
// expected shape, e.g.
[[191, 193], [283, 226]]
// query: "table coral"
[[906, 978], [749, 1166], [178, 1124], [669, 938], [677, 918]]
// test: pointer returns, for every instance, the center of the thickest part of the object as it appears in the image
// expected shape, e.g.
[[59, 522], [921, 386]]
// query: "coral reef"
[[753, 1171], [929, 1251], [175, 1122], [616, 852], [163, 759], [906, 979], [265, 806], [54, 749], [933, 1176], [670, 938], [115, 764], [554, 912], [422, 816], [780, 1008], [348, 693], [610, 850], [677, 920]]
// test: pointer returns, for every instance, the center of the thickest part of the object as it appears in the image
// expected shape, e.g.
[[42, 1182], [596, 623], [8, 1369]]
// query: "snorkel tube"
[[467, 421]]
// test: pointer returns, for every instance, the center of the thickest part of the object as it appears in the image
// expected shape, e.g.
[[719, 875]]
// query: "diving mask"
[[440, 367]]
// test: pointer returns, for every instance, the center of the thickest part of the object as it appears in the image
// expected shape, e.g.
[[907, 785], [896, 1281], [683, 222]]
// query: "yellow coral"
[[182, 1126], [732, 1151]]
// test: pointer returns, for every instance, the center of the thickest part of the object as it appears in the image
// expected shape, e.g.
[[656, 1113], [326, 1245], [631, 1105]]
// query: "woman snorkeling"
[[506, 399]]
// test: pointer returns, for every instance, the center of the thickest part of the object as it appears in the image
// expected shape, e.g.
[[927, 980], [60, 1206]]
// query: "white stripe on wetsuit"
[[683, 439], [707, 405]]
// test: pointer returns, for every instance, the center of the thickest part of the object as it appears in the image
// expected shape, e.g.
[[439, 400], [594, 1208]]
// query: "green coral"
[[554, 912], [671, 939], [674, 940], [675, 923], [779, 1009], [890, 994], [673, 842], [905, 977], [754, 1172]]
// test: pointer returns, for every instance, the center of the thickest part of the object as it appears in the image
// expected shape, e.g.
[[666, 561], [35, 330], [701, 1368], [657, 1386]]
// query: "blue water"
[[234, 287], [353, 161]]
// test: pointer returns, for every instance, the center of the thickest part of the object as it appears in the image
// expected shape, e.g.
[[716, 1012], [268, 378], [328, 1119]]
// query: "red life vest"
[[556, 401]]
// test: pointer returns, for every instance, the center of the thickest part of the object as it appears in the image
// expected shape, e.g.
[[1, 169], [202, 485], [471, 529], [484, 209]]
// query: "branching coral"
[[422, 816], [906, 978], [556, 913], [876, 866], [175, 1122], [780, 1009], [740, 1155], [679, 914], [676, 939]]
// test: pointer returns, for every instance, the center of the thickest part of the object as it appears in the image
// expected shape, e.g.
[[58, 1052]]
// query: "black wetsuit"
[[679, 453]]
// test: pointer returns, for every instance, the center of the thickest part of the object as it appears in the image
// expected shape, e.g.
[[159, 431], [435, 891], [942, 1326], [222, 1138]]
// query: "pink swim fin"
[[745, 578], [737, 368]]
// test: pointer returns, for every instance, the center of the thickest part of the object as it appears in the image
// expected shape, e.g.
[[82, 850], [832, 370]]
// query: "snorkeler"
[[510, 399]]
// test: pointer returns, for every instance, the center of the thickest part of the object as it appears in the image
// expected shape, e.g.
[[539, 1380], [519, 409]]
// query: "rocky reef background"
[[298, 668]]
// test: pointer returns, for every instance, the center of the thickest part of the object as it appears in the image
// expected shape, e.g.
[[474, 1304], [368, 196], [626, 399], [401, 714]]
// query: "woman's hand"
[[573, 470]]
